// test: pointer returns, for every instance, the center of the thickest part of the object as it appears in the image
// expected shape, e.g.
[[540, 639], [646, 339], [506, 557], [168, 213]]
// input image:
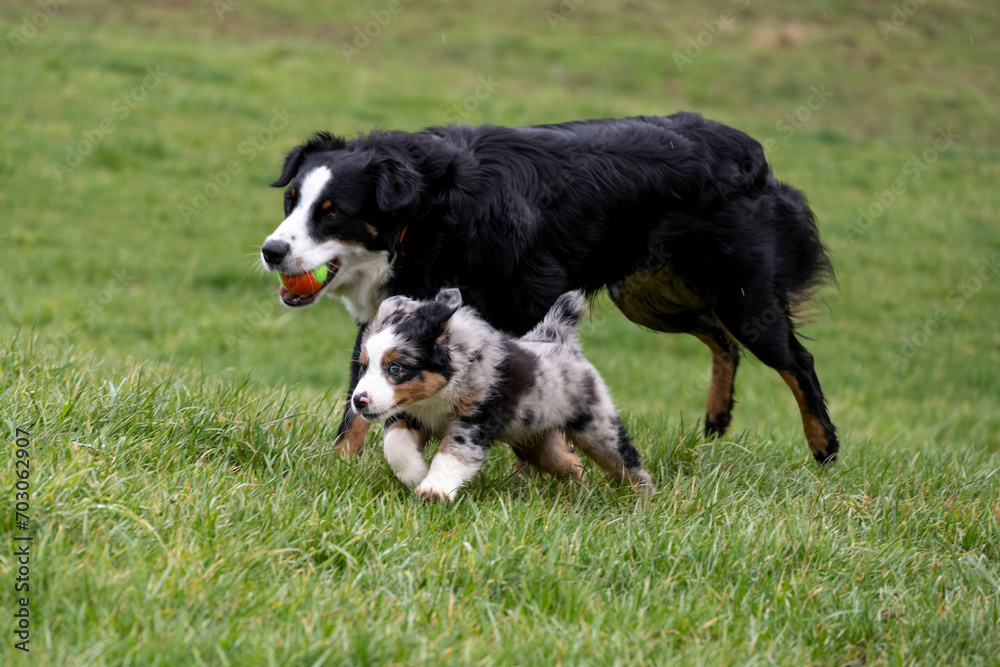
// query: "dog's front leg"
[[404, 451], [352, 431], [459, 458]]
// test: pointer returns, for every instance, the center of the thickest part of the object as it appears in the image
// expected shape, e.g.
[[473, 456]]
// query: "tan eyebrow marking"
[[364, 357], [425, 386], [371, 229], [327, 204]]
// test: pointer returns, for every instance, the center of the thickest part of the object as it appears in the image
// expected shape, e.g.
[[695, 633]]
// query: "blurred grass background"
[[109, 273]]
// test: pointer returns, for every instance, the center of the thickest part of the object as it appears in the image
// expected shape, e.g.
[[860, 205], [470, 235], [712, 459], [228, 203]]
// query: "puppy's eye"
[[394, 369], [332, 214]]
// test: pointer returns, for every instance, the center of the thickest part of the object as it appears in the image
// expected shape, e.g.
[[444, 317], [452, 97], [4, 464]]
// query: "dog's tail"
[[562, 321], [803, 260]]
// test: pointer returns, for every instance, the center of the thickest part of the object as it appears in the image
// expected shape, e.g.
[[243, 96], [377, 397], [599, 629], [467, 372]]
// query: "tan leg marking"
[[640, 479], [720, 392], [815, 436], [354, 439], [552, 454]]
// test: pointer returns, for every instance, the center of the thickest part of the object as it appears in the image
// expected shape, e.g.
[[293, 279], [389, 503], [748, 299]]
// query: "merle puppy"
[[436, 369], [677, 216]]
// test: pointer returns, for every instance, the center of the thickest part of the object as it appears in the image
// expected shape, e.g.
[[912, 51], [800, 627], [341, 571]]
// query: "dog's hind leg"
[[663, 302], [725, 359], [764, 327], [550, 453], [604, 438], [820, 431]]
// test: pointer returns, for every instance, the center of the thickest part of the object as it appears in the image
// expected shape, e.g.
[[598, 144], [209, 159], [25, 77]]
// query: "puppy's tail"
[[562, 321]]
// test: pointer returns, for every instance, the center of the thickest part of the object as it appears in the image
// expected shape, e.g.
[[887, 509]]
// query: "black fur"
[[629, 453], [421, 330], [679, 215]]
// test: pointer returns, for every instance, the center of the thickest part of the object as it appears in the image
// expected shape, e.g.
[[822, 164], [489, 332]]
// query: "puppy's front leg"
[[404, 450], [457, 461]]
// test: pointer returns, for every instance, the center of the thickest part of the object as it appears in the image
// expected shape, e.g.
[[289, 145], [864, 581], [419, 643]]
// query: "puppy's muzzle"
[[361, 402]]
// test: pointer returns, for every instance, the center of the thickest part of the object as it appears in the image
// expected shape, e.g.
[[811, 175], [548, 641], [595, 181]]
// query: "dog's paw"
[[412, 475], [432, 493], [642, 481]]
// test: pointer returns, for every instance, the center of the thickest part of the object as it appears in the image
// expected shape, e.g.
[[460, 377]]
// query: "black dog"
[[679, 217]]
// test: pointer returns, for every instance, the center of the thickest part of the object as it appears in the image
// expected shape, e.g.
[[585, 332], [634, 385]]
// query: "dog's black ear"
[[292, 163], [435, 314], [397, 182], [321, 141]]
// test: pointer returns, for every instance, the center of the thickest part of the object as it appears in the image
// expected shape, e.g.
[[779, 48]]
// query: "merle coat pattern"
[[435, 369], [678, 217]]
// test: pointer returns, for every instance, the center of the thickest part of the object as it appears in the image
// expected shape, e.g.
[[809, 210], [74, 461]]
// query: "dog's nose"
[[361, 400], [274, 251]]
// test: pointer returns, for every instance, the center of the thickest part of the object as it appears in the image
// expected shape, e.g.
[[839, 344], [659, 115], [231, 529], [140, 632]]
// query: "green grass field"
[[186, 504]]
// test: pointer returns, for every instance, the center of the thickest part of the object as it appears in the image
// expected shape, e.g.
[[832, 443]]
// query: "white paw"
[[402, 452], [411, 475], [432, 492]]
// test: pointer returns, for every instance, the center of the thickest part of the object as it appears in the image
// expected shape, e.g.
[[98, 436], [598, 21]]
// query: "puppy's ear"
[[321, 141], [392, 304], [397, 182], [451, 297], [436, 314]]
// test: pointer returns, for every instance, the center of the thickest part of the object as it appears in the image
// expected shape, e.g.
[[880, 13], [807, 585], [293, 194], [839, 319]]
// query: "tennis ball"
[[304, 284]]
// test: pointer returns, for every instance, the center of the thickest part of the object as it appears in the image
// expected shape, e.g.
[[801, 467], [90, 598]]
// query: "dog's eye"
[[394, 369], [332, 214]]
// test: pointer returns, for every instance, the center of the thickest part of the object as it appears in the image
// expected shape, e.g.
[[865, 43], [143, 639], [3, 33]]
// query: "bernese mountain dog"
[[677, 216]]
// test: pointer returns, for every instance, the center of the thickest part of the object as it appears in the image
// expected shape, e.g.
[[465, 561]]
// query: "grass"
[[188, 506]]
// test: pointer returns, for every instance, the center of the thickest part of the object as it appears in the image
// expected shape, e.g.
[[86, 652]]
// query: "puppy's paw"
[[411, 477], [642, 481], [429, 492]]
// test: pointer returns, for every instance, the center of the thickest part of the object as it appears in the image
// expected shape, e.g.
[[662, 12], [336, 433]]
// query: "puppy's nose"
[[361, 401], [274, 251]]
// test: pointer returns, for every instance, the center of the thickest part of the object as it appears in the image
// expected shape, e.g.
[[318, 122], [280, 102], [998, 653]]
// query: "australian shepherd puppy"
[[436, 369], [677, 217]]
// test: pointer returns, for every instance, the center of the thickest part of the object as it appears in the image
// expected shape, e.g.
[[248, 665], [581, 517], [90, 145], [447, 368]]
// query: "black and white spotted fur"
[[437, 369]]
